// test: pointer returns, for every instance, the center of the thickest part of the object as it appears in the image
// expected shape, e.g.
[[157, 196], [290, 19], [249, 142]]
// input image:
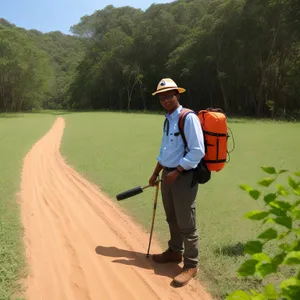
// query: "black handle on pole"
[[130, 193], [134, 191]]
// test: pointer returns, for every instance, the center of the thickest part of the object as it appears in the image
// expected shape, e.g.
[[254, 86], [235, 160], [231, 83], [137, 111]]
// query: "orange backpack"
[[214, 126]]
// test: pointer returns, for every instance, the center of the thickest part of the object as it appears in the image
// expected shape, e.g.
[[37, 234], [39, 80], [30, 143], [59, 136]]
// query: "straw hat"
[[167, 84]]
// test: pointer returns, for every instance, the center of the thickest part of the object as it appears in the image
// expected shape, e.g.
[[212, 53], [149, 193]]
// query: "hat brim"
[[180, 90]]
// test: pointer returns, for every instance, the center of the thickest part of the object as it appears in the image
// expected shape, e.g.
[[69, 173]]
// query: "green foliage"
[[281, 218], [193, 42], [36, 69], [24, 70], [64, 52], [240, 55]]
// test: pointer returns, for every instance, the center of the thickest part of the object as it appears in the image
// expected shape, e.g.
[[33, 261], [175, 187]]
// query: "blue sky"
[[50, 15]]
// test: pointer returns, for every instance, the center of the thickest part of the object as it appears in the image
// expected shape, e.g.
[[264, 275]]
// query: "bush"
[[277, 248]]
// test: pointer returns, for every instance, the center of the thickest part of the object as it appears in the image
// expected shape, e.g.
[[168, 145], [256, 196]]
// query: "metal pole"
[[153, 217]]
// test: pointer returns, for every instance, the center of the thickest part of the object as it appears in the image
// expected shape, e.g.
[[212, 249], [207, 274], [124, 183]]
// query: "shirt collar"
[[175, 113]]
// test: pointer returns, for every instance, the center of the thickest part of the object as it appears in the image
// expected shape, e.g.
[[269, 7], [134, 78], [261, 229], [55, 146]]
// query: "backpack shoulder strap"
[[183, 114]]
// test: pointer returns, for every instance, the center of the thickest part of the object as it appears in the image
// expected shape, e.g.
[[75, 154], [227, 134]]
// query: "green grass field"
[[18, 132], [118, 151]]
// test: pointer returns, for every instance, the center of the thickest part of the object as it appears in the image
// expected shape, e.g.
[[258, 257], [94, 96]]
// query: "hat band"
[[167, 87]]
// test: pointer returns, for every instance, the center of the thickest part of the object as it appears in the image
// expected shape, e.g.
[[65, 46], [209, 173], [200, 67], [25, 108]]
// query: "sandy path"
[[79, 244]]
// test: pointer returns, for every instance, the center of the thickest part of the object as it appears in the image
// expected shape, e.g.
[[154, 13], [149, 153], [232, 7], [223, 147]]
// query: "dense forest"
[[240, 55]]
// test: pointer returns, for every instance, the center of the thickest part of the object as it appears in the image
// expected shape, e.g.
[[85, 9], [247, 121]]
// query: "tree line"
[[240, 55], [36, 69]]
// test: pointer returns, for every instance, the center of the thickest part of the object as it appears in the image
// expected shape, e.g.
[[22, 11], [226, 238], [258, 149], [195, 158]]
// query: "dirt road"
[[79, 244]]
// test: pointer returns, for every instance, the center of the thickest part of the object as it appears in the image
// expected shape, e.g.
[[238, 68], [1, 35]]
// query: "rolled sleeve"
[[195, 141]]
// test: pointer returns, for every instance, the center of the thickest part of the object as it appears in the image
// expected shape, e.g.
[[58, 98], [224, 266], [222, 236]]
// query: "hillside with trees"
[[242, 56], [35, 68]]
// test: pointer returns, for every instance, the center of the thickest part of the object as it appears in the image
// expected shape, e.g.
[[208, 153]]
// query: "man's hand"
[[155, 174], [171, 177], [153, 179]]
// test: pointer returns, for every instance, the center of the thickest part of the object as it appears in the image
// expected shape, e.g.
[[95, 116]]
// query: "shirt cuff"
[[158, 158], [185, 164]]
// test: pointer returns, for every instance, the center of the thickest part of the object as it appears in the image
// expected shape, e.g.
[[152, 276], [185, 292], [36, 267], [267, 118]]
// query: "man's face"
[[168, 100]]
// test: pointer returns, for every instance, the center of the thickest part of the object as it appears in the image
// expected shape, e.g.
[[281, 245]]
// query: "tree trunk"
[[128, 98], [226, 108], [130, 89], [142, 95], [264, 68], [224, 96]]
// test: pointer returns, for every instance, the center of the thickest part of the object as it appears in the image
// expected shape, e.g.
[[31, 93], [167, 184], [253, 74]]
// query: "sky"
[[51, 15]]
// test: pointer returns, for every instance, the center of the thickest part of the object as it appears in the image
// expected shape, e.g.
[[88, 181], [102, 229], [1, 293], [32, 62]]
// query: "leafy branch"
[[281, 215]]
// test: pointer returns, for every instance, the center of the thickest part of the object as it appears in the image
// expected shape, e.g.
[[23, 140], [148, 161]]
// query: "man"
[[178, 192]]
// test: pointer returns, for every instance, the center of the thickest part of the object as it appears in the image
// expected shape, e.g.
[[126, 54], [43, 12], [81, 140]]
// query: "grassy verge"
[[118, 151], [18, 132]]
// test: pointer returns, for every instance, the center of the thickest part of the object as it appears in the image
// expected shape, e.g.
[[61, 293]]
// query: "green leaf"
[[296, 214], [284, 221], [238, 295], [297, 191], [268, 221], [269, 234], [291, 288], [265, 269], [283, 235], [281, 204], [259, 297], [253, 292], [292, 183], [269, 170], [278, 259], [247, 268], [256, 215], [290, 282], [297, 173], [270, 197], [270, 292], [261, 257], [246, 187], [292, 258], [266, 181], [281, 190], [297, 231], [295, 204], [282, 171], [253, 247], [278, 212], [255, 194], [296, 245], [285, 247]]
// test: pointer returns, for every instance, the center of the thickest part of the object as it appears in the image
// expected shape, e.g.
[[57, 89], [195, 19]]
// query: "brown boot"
[[185, 276], [167, 256]]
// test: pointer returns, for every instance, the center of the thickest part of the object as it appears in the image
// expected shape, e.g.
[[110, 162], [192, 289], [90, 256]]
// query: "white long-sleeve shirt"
[[172, 148]]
